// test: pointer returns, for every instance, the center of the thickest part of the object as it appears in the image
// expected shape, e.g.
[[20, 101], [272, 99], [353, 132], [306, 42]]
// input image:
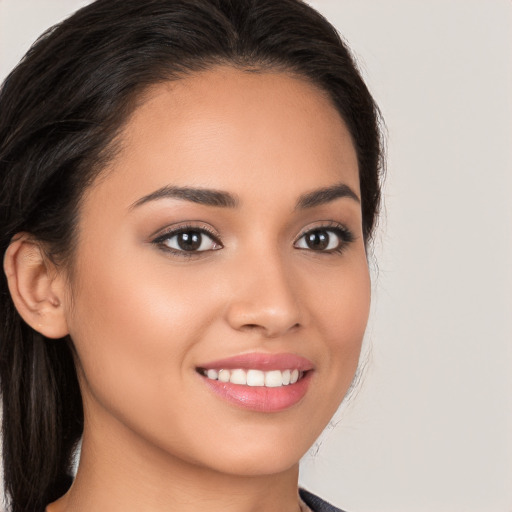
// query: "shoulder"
[[315, 503]]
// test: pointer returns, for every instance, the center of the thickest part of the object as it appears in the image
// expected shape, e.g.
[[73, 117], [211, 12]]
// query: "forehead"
[[256, 132]]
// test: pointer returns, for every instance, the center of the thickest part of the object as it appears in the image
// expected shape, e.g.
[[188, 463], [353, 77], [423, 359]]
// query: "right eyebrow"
[[208, 197]]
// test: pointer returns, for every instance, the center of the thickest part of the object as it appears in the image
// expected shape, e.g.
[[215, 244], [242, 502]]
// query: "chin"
[[254, 466], [259, 454]]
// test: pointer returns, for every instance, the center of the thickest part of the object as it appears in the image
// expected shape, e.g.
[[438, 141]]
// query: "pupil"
[[189, 241], [317, 240]]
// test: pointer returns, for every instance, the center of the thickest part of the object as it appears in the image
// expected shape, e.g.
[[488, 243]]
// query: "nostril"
[[251, 327], [273, 316], [268, 331]]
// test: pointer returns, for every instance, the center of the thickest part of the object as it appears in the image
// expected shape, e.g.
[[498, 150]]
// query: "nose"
[[265, 297]]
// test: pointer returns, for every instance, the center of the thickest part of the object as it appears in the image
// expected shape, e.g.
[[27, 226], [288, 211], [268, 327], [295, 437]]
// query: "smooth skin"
[[143, 313]]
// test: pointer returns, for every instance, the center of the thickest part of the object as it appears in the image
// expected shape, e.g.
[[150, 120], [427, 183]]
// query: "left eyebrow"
[[204, 196], [325, 195]]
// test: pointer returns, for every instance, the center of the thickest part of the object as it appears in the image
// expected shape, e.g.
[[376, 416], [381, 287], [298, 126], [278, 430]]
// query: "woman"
[[188, 191]]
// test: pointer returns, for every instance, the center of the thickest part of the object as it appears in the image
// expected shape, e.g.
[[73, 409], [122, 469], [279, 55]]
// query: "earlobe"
[[35, 286]]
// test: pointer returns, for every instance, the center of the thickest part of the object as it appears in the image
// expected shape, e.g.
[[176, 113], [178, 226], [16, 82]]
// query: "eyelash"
[[344, 235]]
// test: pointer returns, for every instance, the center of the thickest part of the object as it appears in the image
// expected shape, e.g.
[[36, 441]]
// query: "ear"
[[36, 287]]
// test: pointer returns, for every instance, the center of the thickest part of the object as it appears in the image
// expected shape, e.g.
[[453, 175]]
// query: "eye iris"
[[317, 240], [189, 240]]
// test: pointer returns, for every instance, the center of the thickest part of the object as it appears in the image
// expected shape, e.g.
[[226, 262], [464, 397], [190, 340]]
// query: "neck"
[[121, 473]]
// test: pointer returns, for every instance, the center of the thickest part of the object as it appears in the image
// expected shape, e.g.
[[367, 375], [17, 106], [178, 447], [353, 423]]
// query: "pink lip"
[[261, 399], [261, 361]]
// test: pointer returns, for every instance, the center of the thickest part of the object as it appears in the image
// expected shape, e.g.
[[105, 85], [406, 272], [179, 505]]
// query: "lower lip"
[[261, 398]]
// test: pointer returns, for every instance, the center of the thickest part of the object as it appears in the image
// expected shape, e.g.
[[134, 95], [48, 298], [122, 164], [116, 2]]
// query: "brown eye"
[[188, 240], [318, 240], [324, 239]]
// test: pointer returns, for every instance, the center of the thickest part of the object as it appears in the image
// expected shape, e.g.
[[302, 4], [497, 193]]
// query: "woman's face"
[[225, 235]]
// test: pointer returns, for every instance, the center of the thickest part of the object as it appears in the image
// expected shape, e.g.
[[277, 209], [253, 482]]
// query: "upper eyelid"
[[174, 230], [326, 225]]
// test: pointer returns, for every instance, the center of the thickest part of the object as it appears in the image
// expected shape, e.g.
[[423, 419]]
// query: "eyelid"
[[198, 225]]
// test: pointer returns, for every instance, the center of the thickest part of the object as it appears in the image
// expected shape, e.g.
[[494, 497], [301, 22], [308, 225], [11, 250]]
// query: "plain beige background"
[[431, 427]]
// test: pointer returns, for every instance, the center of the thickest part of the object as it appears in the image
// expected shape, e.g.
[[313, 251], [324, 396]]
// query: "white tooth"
[[238, 377], [212, 374], [255, 378], [224, 375], [273, 379]]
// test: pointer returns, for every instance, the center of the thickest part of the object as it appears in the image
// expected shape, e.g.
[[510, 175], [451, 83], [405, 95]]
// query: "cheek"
[[135, 300], [133, 324], [342, 317]]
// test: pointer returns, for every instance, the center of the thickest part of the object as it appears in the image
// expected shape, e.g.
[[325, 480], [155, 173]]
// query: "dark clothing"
[[315, 503]]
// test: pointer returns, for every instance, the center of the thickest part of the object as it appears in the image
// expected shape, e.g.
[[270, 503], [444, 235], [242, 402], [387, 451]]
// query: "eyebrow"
[[325, 195], [218, 198], [204, 196]]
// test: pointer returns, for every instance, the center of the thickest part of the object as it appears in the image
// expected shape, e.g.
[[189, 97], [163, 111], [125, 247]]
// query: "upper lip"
[[261, 361]]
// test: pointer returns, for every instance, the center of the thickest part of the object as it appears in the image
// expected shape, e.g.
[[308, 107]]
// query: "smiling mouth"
[[253, 377], [260, 382]]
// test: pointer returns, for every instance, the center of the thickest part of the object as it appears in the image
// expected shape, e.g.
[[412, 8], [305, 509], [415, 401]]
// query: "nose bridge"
[[264, 293]]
